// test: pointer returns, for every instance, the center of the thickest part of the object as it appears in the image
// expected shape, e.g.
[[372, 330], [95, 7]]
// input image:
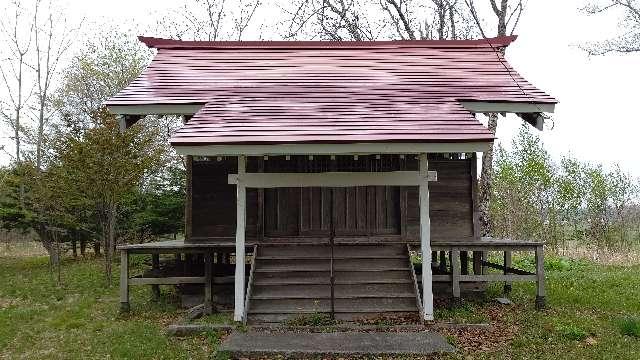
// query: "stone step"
[[261, 318]]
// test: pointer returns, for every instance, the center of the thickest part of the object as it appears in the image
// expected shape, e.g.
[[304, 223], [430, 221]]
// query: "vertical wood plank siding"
[[360, 211]]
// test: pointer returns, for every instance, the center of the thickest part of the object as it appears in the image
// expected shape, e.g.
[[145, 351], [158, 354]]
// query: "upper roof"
[[339, 92]]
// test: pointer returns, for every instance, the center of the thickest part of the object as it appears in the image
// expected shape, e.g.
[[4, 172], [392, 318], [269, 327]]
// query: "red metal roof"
[[315, 91], [242, 117]]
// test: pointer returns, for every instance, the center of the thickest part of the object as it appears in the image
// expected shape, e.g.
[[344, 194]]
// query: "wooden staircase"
[[293, 280]]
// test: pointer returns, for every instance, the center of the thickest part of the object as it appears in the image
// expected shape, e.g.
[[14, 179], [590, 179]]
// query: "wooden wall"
[[372, 212]]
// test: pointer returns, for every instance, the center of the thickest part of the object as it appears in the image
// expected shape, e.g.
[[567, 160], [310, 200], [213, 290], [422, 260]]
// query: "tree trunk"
[[96, 248], [110, 242], [485, 180], [83, 246], [74, 245]]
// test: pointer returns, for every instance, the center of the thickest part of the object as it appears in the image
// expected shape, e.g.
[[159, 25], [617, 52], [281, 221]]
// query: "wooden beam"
[[241, 203], [507, 107], [332, 179], [486, 278], [175, 280], [155, 109], [331, 149], [425, 241], [124, 281]]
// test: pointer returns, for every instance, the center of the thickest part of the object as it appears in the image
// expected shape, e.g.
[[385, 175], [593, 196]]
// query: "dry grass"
[[622, 257], [21, 249]]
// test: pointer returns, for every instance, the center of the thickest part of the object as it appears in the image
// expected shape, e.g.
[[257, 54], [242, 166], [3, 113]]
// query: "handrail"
[[415, 279], [250, 284]]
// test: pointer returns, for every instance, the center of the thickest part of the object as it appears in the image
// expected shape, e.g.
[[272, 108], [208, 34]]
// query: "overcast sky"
[[597, 119]]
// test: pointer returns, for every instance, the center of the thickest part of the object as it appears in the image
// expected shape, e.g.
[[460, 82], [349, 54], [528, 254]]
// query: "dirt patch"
[[485, 338]]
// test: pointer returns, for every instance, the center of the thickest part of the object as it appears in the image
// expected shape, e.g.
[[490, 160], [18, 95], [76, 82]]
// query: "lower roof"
[[334, 117]]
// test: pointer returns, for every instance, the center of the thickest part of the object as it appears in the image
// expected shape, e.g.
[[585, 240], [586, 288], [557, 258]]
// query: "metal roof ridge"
[[160, 43]]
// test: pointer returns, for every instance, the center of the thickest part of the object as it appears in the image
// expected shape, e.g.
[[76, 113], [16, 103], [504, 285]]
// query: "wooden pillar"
[[477, 255], [507, 265], [455, 274], [188, 204], [425, 240], [241, 202], [540, 291], [208, 280], [124, 281], [155, 265]]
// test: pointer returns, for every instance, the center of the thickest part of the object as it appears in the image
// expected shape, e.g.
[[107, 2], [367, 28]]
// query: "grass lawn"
[[591, 308]]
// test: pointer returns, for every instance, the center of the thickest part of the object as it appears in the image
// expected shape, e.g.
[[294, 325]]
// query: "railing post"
[[155, 265], [455, 275], [540, 291], [208, 278], [124, 281], [507, 266]]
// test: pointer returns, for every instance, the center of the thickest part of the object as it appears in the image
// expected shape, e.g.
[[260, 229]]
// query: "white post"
[[238, 312], [425, 240]]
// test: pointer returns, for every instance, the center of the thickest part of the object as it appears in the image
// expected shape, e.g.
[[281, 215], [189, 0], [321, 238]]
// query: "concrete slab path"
[[338, 343]]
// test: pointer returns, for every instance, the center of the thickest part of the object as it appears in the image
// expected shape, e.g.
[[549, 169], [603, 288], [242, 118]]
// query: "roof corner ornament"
[[536, 119], [127, 121]]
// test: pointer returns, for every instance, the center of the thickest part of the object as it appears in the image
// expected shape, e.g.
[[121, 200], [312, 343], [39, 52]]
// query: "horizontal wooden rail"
[[509, 270], [486, 278], [167, 280]]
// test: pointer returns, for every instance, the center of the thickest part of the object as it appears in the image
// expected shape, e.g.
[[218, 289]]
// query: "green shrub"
[[572, 332], [629, 326]]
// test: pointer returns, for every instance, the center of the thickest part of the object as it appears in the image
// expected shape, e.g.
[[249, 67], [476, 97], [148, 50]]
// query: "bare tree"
[[507, 15], [208, 19], [337, 20], [52, 40], [361, 19], [628, 41], [17, 35], [246, 11]]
